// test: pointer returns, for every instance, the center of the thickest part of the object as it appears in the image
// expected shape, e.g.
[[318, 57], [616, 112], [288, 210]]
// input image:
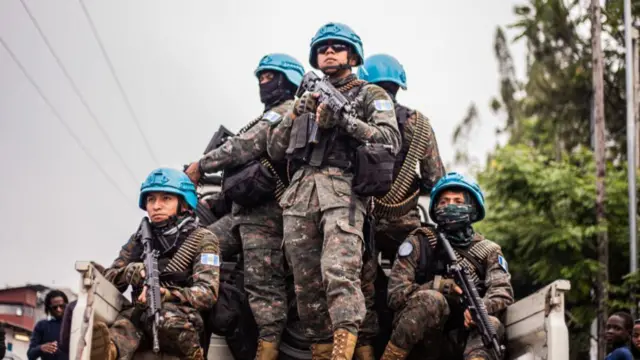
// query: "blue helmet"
[[290, 67], [336, 31], [382, 67], [454, 180], [170, 181]]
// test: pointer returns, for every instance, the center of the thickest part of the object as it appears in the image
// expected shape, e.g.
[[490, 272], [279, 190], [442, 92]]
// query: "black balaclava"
[[276, 91]]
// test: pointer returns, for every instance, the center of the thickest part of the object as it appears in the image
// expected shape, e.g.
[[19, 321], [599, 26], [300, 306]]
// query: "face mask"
[[275, 91], [455, 221]]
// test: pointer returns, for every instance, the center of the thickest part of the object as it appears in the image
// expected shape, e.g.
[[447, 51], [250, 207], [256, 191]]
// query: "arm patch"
[[383, 105], [210, 259], [271, 116], [503, 263]]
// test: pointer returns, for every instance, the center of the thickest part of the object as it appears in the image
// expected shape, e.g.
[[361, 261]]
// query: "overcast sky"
[[186, 67]]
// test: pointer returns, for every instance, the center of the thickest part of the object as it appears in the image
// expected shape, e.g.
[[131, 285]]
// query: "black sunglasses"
[[62, 306], [337, 47]]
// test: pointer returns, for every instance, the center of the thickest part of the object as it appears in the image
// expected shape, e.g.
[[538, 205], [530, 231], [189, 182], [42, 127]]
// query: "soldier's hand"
[[166, 295], [308, 102], [50, 347], [134, 273], [193, 172], [142, 298], [324, 117], [468, 320]]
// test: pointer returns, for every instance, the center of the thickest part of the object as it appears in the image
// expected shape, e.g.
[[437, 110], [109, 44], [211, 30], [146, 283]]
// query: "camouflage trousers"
[[424, 319], [257, 232], [390, 233], [178, 333], [325, 252]]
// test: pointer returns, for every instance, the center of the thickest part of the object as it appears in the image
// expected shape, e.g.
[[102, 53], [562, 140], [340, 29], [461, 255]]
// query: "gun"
[[329, 95], [472, 300], [218, 139], [152, 281]]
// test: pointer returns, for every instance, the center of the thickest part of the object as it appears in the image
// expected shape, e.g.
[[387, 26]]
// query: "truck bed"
[[535, 325]]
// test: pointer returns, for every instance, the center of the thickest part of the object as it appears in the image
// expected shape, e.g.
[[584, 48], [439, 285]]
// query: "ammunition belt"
[[280, 187], [182, 259], [397, 202]]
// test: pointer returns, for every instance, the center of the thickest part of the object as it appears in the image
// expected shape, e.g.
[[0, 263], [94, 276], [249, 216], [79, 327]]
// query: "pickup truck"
[[535, 325]]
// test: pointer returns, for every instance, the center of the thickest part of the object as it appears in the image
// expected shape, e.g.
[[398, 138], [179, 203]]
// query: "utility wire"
[[63, 122], [78, 93], [134, 117]]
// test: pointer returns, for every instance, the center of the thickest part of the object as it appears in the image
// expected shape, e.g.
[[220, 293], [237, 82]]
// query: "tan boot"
[[321, 351], [102, 347], [344, 344], [196, 355], [392, 352], [365, 352], [267, 350]]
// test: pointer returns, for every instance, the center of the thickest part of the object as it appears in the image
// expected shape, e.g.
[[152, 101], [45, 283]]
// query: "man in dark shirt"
[[618, 334], [46, 334]]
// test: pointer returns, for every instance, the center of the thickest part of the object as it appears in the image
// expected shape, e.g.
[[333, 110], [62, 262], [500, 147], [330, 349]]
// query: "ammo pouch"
[[249, 184], [227, 311], [299, 147], [373, 170]]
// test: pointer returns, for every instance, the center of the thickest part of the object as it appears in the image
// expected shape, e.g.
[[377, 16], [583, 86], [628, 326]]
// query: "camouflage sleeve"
[[237, 150], [431, 166], [403, 274], [380, 124], [203, 293], [129, 253], [278, 138], [499, 294]]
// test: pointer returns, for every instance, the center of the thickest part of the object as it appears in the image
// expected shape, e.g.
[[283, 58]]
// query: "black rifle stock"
[[329, 95], [218, 139], [472, 300], [152, 281]]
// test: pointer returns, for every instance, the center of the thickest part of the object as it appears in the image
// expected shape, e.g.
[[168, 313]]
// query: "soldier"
[[256, 213], [323, 217], [396, 212], [189, 287], [428, 304]]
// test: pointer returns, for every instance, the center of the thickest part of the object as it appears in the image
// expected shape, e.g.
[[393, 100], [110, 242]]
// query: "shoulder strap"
[[428, 241], [182, 259], [397, 195]]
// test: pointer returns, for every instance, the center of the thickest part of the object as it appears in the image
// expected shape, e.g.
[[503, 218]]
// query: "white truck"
[[535, 325]]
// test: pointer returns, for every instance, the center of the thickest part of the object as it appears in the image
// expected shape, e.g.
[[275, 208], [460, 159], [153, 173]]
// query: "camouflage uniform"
[[259, 227], [322, 245], [180, 319], [391, 231], [425, 314]]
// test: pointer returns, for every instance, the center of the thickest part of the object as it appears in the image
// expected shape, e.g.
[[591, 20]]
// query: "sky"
[[70, 182]]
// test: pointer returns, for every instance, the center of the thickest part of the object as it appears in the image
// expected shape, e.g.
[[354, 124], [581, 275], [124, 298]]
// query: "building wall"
[[19, 343], [18, 307]]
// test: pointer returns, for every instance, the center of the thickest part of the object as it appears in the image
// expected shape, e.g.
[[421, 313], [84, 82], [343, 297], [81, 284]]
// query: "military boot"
[[321, 351], [392, 352], [344, 343], [267, 350], [196, 355], [365, 352], [102, 347]]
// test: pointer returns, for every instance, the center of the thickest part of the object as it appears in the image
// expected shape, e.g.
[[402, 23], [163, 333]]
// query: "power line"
[[78, 93], [62, 121], [112, 69]]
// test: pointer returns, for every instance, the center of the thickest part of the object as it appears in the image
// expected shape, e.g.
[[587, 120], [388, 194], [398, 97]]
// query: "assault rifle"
[[218, 139], [329, 95], [472, 300], [152, 280]]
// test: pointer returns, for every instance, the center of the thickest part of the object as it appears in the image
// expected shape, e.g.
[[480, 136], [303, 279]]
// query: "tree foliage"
[[540, 187]]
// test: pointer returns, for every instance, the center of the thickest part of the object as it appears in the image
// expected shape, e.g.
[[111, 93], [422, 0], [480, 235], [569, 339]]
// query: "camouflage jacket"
[[204, 280], [376, 123], [402, 280], [252, 144]]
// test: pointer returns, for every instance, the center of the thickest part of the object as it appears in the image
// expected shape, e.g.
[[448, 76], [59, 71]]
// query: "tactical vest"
[[334, 147], [405, 189], [432, 261], [255, 182]]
